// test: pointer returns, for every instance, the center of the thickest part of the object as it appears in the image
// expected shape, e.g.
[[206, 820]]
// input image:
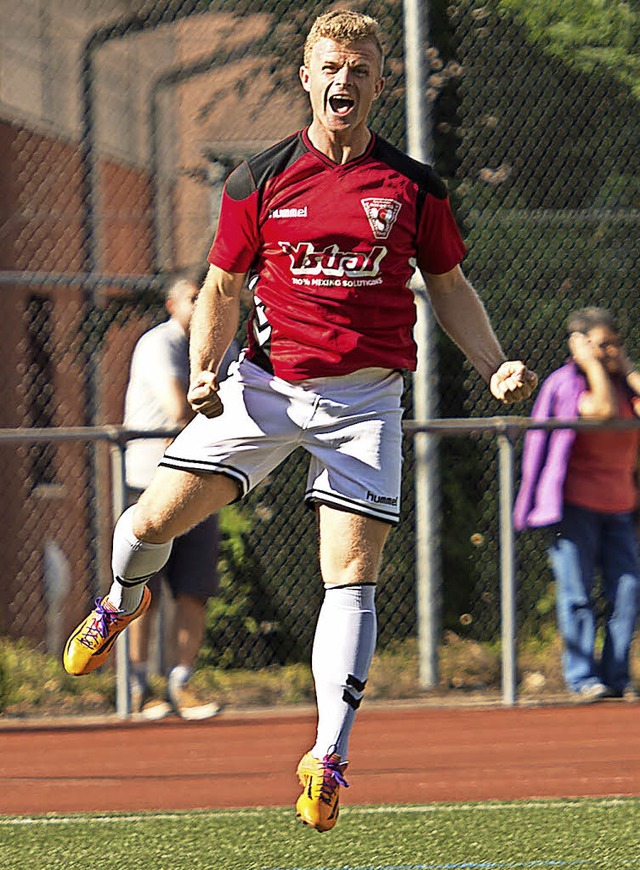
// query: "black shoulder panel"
[[421, 174], [273, 161], [252, 174], [239, 185]]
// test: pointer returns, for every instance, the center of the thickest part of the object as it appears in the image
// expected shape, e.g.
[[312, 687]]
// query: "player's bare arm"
[[213, 327], [460, 312], [172, 398]]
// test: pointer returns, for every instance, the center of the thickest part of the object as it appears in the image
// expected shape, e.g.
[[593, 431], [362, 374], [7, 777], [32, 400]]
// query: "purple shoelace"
[[333, 776], [100, 625]]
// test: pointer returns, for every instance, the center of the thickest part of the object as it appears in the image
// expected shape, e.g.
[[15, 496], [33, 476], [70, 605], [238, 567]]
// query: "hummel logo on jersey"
[[288, 212], [382, 214], [305, 260]]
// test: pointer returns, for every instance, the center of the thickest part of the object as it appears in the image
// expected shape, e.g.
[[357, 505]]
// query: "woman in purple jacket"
[[582, 484]]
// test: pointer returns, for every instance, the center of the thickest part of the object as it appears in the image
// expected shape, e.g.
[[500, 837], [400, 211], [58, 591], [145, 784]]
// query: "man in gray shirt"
[[156, 399]]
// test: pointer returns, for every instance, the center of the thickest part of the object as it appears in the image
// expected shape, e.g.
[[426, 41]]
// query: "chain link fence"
[[119, 121], [549, 195]]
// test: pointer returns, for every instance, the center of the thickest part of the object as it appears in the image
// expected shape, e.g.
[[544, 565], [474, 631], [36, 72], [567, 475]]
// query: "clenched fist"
[[512, 382], [203, 395]]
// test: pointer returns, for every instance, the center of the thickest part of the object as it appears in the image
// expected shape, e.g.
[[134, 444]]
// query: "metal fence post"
[[418, 116], [427, 507], [507, 569], [424, 393], [119, 503]]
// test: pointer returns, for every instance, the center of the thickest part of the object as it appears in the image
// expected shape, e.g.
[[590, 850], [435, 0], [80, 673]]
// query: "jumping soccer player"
[[328, 225]]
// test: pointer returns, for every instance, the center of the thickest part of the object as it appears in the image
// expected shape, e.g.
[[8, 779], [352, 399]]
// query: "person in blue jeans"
[[582, 485]]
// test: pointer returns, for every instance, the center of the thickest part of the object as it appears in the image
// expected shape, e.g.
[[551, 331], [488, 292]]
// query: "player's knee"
[[150, 524], [355, 573]]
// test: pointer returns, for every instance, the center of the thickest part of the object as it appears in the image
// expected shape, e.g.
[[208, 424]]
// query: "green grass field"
[[531, 834]]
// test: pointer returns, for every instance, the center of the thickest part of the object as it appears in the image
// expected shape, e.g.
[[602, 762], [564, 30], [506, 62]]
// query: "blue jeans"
[[584, 541]]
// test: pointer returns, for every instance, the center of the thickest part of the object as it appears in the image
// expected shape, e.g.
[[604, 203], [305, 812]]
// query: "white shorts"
[[351, 426]]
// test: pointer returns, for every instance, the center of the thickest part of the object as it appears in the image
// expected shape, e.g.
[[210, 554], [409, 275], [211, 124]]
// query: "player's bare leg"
[[350, 552], [350, 546], [174, 502]]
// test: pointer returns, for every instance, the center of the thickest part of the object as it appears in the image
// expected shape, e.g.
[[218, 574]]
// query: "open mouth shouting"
[[341, 104]]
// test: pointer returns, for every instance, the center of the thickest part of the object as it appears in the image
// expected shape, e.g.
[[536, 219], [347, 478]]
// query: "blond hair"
[[344, 27]]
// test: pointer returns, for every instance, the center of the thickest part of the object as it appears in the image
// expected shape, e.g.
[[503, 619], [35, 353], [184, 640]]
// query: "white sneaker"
[[591, 692], [145, 705], [188, 705]]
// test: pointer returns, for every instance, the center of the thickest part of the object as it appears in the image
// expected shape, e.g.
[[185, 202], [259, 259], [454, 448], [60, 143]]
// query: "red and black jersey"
[[330, 250]]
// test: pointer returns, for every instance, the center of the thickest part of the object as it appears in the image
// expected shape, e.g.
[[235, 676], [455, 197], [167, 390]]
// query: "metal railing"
[[506, 429]]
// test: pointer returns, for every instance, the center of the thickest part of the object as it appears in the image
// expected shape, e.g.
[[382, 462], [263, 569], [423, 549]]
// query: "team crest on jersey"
[[381, 214]]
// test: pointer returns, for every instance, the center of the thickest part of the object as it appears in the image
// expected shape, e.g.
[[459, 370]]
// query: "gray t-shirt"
[[160, 355]]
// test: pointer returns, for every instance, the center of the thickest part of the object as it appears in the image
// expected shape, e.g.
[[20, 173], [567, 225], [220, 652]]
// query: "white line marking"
[[578, 803], [482, 807]]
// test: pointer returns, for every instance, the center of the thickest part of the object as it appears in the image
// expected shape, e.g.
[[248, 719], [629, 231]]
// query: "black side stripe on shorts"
[[207, 465], [351, 505]]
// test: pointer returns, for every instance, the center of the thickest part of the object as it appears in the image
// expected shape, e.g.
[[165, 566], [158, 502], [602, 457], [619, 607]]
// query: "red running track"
[[398, 755]]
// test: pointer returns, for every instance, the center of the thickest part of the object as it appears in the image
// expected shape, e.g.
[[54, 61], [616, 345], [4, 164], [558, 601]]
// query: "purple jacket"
[[546, 453]]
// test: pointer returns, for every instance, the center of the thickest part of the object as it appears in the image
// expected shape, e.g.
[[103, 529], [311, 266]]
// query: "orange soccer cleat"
[[319, 804], [92, 641]]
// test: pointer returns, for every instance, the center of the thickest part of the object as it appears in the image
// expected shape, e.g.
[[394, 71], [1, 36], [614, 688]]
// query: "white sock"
[[178, 676], [343, 647], [133, 563]]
